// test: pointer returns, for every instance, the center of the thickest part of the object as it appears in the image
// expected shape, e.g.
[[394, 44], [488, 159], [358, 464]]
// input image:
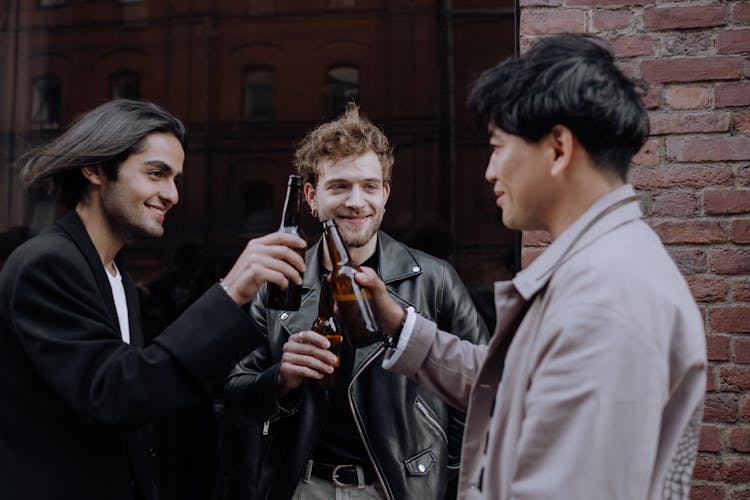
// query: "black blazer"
[[74, 397]]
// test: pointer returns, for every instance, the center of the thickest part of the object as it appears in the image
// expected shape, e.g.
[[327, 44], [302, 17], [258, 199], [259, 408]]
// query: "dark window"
[[46, 98], [342, 86], [258, 94], [126, 84], [256, 200], [52, 3]]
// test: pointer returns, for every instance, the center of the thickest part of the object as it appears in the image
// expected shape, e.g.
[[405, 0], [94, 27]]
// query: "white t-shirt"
[[118, 292]]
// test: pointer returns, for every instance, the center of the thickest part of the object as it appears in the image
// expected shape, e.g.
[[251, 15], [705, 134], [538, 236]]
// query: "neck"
[[577, 199], [105, 240]]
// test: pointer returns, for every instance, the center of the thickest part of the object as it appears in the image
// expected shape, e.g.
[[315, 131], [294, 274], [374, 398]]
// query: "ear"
[[93, 174], [562, 142], [311, 196], [386, 190]]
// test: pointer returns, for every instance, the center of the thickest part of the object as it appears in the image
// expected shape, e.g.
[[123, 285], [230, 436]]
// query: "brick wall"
[[694, 180]]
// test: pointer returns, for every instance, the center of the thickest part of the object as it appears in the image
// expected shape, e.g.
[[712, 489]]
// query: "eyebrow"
[[350, 181], [164, 167]]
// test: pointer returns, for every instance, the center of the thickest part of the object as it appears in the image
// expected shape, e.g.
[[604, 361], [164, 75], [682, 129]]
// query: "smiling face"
[[135, 203], [352, 192], [517, 170]]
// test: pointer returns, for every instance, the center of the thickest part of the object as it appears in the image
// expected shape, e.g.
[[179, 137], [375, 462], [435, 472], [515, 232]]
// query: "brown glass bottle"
[[356, 307], [325, 324], [289, 298]]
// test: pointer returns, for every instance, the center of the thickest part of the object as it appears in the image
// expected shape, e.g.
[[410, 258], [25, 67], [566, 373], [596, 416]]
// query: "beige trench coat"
[[601, 393]]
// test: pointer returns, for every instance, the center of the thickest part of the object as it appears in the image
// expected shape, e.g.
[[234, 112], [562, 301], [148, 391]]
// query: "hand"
[[306, 355], [390, 312], [270, 258]]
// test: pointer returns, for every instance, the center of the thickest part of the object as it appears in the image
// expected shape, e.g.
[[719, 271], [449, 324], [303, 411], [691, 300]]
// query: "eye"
[[372, 187], [156, 174]]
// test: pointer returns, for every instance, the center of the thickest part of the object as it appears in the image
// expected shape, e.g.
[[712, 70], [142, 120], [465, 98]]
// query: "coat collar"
[[72, 224], [533, 278]]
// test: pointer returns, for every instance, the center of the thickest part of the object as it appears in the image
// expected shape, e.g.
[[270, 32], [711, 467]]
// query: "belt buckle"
[[335, 475]]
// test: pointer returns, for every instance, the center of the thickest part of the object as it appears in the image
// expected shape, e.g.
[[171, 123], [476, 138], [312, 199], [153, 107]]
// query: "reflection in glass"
[[126, 85], [342, 86], [46, 97], [258, 95]]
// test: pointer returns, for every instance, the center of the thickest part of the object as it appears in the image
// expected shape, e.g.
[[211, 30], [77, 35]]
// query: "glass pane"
[[342, 87], [258, 105]]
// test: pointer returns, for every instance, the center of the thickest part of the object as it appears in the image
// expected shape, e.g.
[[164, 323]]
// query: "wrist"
[[391, 341]]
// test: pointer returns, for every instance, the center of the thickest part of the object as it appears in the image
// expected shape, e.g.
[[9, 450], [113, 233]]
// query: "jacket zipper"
[[357, 422], [422, 407]]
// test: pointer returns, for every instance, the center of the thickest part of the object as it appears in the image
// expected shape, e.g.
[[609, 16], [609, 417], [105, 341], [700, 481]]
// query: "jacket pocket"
[[429, 416], [420, 464]]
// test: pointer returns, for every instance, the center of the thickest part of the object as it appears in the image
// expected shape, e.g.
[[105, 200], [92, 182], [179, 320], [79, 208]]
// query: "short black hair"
[[570, 80], [105, 136]]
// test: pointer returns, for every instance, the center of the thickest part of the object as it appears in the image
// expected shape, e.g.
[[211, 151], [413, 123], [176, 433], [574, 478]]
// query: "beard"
[[359, 236]]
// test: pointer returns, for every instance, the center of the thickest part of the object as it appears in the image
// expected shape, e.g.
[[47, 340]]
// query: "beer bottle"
[[356, 307], [289, 299], [325, 324]]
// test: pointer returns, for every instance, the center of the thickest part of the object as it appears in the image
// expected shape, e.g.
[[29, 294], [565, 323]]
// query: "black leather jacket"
[[413, 439]]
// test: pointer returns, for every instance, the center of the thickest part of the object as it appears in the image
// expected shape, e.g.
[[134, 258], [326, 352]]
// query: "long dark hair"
[[105, 136]]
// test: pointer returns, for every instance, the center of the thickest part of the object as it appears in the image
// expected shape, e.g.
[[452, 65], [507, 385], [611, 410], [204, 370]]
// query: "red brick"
[[717, 347], [741, 12], [735, 470], [683, 17], [729, 41], [691, 43], [605, 20], [687, 177], [686, 97], [706, 468], [689, 261], [730, 319], [606, 3], [730, 261], [732, 94], [744, 176], [742, 121], [734, 378], [726, 201], [633, 45], [739, 439], [741, 350], [675, 204], [648, 155], [540, 3], [710, 439], [706, 492], [708, 288], [651, 99], [721, 408], [545, 22], [741, 292], [691, 69], [536, 238], [740, 494], [710, 382], [709, 149], [741, 231], [690, 232], [670, 122], [745, 410]]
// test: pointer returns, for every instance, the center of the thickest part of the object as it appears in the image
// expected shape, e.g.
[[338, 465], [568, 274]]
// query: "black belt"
[[343, 475]]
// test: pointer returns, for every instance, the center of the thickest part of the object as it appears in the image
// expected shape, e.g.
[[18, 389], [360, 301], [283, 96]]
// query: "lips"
[[356, 220], [158, 211]]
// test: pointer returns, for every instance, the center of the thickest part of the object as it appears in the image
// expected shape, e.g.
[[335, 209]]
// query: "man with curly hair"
[[375, 435]]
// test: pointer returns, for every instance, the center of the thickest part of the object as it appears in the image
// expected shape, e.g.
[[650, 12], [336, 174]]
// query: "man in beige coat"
[[600, 393]]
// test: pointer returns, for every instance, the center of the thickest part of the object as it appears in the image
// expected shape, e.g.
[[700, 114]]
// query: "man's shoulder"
[[48, 247], [424, 259]]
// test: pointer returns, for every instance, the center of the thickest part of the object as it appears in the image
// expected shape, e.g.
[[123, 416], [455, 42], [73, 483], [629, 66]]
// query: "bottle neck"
[[292, 206], [325, 306], [336, 248]]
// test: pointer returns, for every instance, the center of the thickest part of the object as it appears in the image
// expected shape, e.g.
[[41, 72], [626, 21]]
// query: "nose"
[[169, 193], [355, 198], [489, 172]]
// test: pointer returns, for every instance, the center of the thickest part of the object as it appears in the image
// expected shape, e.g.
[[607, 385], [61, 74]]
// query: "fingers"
[[305, 355], [274, 258], [390, 312]]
